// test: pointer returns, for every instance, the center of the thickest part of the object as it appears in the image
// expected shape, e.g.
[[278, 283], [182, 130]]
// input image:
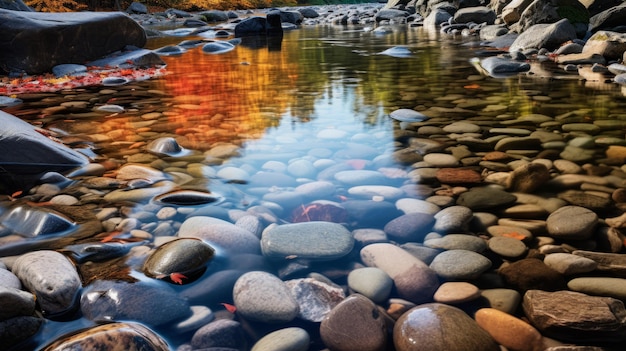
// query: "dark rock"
[[607, 19], [575, 317], [500, 66], [137, 8], [484, 198], [389, 14], [410, 227], [35, 42], [213, 16], [354, 324], [126, 336], [17, 329], [532, 273], [548, 11], [478, 14], [293, 17], [308, 12], [435, 327], [38, 155], [220, 334], [252, 26], [371, 213], [178, 13], [15, 5], [186, 256], [548, 36]]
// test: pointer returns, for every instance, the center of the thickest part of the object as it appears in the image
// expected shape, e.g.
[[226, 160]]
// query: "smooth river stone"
[[505, 300], [441, 160], [460, 264], [222, 334], [509, 331], [361, 177], [319, 241], [413, 279], [112, 336], [263, 297], [410, 227], [456, 292], [572, 222], [457, 242], [579, 318], [51, 277], [461, 127], [569, 264], [287, 339], [383, 191], [407, 115], [600, 286], [509, 248], [220, 234], [316, 190], [486, 198], [437, 327], [15, 302], [371, 282], [453, 218], [410, 205], [354, 325]]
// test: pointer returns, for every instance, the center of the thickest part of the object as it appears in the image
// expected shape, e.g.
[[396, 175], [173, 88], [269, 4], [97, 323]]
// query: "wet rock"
[[477, 14], [609, 18], [371, 282], [15, 302], [574, 317], [460, 264], [435, 326], [263, 297], [532, 273], [166, 146], [140, 302], [527, 178], [321, 241], [413, 279], [410, 227], [287, 339], [179, 260], [217, 47], [549, 36], [486, 198], [600, 286], [33, 222], [354, 324], [509, 331], [124, 335], [572, 222], [222, 333], [315, 298], [457, 242], [398, 51], [453, 218], [188, 198], [17, 329], [77, 32], [221, 234], [52, 278]]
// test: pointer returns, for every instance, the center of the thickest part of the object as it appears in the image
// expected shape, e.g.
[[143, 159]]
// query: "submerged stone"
[[179, 260]]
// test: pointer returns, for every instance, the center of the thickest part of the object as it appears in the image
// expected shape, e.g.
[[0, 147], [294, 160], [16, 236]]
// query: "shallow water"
[[322, 94]]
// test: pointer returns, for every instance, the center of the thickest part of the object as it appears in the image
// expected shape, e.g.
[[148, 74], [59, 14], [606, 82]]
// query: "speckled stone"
[[287, 339], [457, 242], [263, 297], [222, 333], [509, 331], [354, 325], [315, 298], [600, 286], [507, 247], [572, 222], [460, 264], [453, 218], [15, 302], [51, 277], [569, 264], [410, 227], [436, 327], [371, 282]]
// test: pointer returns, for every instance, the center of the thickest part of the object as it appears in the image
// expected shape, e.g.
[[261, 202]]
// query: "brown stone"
[[458, 176], [532, 273], [612, 263], [436, 327], [355, 324], [509, 331], [527, 178], [575, 317]]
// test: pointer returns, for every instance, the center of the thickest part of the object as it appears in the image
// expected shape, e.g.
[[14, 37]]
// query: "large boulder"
[[26, 154], [548, 36], [608, 19], [34, 42], [551, 11]]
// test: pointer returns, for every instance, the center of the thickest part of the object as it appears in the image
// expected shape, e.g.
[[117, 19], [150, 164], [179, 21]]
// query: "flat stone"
[[413, 279], [263, 297], [507, 247], [458, 176], [436, 327], [569, 264], [572, 222], [453, 218], [441, 160], [532, 273], [509, 331], [409, 205], [221, 333], [220, 234], [354, 324], [456, 292], [600, 286], [52, 278], [485, 198], [320, 241], [410, 227], [457, 242], [287, 339], [612, 263], [460, 264], [575, 317], [371, 282]]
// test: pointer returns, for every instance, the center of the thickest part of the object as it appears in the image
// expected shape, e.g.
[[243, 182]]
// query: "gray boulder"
[[254, 26], [611, 45], [137, 8], [478, 14], [548, 36], [500, 66], [293, 17], [34, 42], [15, 5], [608, 19], [37, 155], [551, 11]]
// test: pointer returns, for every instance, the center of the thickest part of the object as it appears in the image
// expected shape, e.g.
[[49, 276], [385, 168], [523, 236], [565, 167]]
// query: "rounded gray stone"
[[263, 297], [288, 339], [569, 264], [572, 222], [460, 264], [453, 218], [507, 247], [371, 282]]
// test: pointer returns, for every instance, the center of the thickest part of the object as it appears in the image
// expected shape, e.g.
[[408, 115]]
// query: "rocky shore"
[[474, 229]]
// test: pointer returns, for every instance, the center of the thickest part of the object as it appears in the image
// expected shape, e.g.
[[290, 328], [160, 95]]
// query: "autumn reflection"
[[228, 97]]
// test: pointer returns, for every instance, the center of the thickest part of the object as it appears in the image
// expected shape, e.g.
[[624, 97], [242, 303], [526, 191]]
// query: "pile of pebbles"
[[473, 229]]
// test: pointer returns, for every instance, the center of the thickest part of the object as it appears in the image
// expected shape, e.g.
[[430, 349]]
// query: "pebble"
[[453, 218], [505, 300], [441, 160], [486, 198], [410, 227], [263, 297], [531, 273], [507, 247], [185, 256], [220, 234], [368, 191], [569, 264], [287, 339], [222, 333], [319, 241], [412, 278], [435, 327], [409, 205], [355, 324], [52, 278], [457, 242], [572, 222], [460, 264], [456, 292], [15, 302], [509, 331], [600, 286], [371, 282]]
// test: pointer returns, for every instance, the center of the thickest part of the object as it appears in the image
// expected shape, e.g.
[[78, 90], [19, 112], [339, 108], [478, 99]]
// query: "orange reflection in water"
[[227, 97]]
